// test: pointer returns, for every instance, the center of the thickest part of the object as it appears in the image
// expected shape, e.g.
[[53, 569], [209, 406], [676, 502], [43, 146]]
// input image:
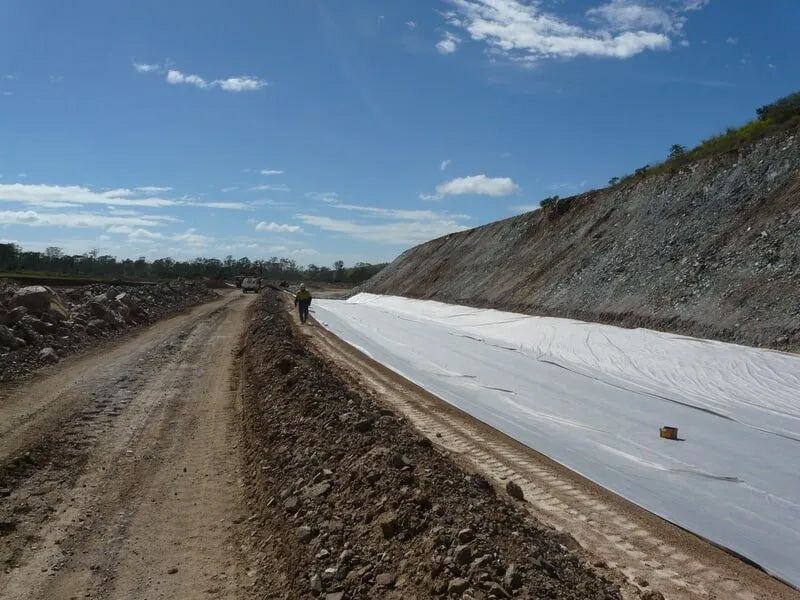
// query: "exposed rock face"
[[712, 250]]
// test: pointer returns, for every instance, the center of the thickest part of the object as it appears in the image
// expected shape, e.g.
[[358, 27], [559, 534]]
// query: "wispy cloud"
[[279, 187], [240, 83], [278, 227], [394, 233], [479, 185], [393, 226], [444, 164], [525, 32], [272, 172], [153, 189], [44, 195], [146, 68], [327, 197], [631, 15], [411, 24], [79, 220]]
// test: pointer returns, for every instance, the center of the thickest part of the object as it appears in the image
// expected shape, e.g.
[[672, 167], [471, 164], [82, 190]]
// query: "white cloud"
[[623, 15], [411, 24], [145, 68], [524, 32], [388, 225], [276, 227], [145, 234], [192, 238], [223, 205], [272, 172], [152, 189], [448, 44], [42, 219], [243, 83], [270, 188], [230, 189], [177, 77], [732, 41], [444, 164], [396, 233], [398, 213], [240, 83], [480, 185], [51, 196]]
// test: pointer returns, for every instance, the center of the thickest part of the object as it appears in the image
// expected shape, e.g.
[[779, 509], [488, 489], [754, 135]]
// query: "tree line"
[[54, 261]]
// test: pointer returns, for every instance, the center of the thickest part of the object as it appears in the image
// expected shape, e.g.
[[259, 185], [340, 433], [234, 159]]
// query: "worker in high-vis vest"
[[302, 300]]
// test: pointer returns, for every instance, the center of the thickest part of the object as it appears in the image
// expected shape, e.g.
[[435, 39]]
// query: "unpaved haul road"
[[119, 469]]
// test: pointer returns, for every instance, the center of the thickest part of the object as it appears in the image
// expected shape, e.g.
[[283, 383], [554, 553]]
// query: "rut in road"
[[125, 483]]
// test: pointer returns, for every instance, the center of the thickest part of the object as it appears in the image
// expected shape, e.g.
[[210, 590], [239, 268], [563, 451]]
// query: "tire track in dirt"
[[126, 484]]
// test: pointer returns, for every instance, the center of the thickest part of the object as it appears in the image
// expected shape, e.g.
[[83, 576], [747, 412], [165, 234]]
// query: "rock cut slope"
[[711, 250]]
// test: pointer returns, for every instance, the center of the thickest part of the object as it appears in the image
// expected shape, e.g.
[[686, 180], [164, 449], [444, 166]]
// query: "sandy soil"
[[119, 470]]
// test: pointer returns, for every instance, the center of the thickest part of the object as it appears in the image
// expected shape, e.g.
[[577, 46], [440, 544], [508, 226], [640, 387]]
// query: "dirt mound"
[[357, 505], [712, 250], [39, 325]]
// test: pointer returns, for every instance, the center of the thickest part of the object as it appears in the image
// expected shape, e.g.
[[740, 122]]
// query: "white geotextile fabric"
[[593, 397]]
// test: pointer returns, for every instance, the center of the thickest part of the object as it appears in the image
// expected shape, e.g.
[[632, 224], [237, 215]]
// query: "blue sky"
[[321, 130]]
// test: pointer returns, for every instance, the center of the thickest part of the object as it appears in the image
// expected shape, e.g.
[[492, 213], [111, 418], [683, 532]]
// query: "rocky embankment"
[[351, 503], [711, 250], [39, 325]]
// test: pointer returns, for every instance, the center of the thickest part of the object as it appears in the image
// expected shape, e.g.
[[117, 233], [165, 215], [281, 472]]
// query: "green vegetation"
[[54, 263], [781, 115]]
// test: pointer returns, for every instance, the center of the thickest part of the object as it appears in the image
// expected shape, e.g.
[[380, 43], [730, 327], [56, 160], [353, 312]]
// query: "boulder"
[[457, 586], [95, 327], [39, 299], [48, 355], [512, 579], [99, 310], [8, 339], [515, 491], [16, 314], [37, 325]]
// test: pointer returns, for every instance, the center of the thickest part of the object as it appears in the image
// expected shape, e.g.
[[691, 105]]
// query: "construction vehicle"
[[251, 284]]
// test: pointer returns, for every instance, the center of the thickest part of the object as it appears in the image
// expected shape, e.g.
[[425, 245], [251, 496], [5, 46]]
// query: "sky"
[[321, 130]]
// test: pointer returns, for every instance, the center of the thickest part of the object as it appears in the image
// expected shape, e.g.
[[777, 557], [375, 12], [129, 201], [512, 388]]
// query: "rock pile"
[[38, 325], [352, 503]]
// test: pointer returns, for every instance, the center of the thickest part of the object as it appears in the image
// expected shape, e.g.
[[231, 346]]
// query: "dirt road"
[[119, 472]]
